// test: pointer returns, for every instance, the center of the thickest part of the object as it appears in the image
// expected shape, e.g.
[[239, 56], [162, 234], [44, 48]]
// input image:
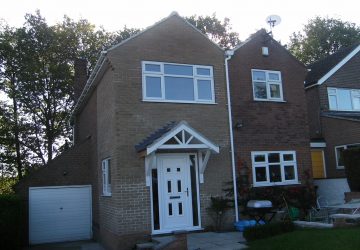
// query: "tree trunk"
[[19, 165]]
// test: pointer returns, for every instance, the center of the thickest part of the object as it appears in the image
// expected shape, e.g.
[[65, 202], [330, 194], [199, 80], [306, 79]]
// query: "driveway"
[[78, 245]]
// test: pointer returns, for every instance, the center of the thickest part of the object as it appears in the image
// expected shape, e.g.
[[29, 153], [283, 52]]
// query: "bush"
[[352, 168], [268, 230], [11, 222]]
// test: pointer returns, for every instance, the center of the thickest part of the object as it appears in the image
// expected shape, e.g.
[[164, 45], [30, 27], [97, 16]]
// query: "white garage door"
[[59, 214]]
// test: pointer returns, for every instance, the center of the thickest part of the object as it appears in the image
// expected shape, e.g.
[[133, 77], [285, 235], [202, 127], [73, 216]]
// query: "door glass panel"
[[179, 185], [194, 190], [155, 196], [178, 169], [180, 208], [275, 173], [170, 209], [289, 172], [169, 186], [168, 170]]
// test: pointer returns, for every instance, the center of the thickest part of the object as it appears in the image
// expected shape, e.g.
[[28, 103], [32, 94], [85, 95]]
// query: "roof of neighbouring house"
[[321, 68], [154, 136], [351, 116]]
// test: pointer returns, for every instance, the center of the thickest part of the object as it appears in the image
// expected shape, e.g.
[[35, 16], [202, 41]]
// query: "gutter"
[[228, 54]]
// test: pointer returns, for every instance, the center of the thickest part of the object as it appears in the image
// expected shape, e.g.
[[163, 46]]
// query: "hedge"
[[11, 222]]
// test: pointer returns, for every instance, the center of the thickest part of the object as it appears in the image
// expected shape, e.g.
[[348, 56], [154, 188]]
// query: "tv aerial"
[[273, 20]]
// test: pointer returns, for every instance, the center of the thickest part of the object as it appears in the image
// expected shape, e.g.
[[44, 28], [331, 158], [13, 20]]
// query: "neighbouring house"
[[153, 139], [269, 112], [333, 97]]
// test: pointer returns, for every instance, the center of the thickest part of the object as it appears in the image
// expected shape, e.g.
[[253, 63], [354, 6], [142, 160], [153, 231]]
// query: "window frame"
[[106, 176], [268, 82], [354, 93], [196, 77], [267, 165], [336, 154]]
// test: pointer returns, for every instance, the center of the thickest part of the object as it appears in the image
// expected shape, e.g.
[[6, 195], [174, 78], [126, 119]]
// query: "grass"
[[308, 239]]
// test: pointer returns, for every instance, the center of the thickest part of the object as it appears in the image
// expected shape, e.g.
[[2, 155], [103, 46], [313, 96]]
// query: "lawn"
[[308, 239]]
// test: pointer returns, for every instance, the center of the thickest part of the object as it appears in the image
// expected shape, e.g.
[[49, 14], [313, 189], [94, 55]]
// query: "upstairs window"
[[267, 85], [274, 168], [339, 150], [106, 177], [344, 99], [184, 83]]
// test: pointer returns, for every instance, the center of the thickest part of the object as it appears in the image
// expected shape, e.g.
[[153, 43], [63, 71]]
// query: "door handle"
[[187, 192]]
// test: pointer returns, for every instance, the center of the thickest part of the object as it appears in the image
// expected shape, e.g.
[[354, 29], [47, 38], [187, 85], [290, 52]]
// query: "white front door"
[[175, 189]]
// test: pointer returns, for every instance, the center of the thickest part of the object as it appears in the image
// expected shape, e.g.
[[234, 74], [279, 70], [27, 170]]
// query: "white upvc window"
[[106, 177], [339, 150], [341, 99], [181, 83], [267, 85], [270, 168]]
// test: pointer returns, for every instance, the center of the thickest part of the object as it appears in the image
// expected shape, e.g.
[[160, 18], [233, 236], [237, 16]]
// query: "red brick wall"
[[267, 125]]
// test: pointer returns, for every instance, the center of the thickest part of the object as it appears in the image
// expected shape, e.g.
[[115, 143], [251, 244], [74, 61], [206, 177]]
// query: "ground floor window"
[[274, 168], [339, 150]]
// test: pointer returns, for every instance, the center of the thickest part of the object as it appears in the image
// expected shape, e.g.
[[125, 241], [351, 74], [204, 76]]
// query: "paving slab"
[[212, 241]]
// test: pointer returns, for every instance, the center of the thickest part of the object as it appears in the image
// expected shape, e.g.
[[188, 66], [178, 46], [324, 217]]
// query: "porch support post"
[[203, 163], [150, 163]]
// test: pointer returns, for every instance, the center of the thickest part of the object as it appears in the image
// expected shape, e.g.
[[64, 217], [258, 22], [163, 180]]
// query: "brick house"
[[269, 112], [333, 97], [153, 136]]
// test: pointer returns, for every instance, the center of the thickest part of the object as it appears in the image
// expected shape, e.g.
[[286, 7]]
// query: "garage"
[[61, 213]]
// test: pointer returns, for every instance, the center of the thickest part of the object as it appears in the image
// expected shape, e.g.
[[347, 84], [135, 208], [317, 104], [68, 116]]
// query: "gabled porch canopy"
[[176, 137]]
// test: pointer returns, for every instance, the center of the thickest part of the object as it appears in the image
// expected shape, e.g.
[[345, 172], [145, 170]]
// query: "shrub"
[[11, 222], [352, 168], [218, 207], [268, 230]]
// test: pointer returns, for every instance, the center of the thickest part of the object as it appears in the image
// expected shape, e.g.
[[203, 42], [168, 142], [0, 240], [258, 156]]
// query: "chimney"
[[80, 66]]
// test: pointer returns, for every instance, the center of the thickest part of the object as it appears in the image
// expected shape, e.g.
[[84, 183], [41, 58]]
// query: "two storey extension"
[[333, 96], [269, 112]]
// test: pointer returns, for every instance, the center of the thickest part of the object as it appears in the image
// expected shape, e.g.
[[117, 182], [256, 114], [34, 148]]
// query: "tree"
[[219, 32], [36, 76], [322, 37]]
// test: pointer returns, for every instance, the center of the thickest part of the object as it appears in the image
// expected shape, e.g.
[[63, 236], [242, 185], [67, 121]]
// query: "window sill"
[[276, 184], [106, 195], [180, 102], [263, 100], [340, 168]]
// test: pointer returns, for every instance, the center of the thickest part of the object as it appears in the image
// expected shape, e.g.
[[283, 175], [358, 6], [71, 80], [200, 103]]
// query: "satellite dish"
[[273, 20]]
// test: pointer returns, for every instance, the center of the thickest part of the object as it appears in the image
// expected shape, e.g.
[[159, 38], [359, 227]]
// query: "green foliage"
[[268, 230], [218, 31], [6, 185], [321, 37], [218, 207], [352, 168], [36, 75], [11, 222]]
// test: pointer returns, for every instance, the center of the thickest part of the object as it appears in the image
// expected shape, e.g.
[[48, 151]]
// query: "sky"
[[246, 17]]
